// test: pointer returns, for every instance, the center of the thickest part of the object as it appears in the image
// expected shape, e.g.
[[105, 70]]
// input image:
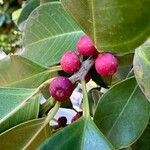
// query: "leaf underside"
[[141, 66], [49, 33]]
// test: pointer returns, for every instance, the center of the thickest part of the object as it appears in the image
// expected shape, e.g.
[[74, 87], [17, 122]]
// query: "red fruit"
[[106, 64], [77, 116], [61, 89], [85, 46], [70, 62], [62, 121]]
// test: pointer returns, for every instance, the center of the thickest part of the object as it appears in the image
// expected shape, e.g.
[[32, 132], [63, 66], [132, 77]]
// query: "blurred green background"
[[9, 34]]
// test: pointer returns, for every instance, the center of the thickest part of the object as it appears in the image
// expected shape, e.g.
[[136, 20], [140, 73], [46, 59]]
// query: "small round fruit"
[[61, 89], [70, 62], [106, 64], [76, 117], [85, 46], [62, 121]]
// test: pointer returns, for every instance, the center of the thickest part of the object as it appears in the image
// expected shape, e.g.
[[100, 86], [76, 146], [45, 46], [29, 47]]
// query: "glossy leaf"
[[81, 135], [23, 134], [142, 68], [123, 113], [28, 112], [49, 31], [16, 71], [111, 24]]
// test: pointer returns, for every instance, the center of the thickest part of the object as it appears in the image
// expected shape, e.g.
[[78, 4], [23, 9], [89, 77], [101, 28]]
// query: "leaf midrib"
[[24, 79], [93, 21], [42, 72], [53, 37]]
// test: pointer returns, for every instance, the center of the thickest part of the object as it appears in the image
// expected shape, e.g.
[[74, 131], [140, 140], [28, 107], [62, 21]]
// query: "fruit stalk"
[[85, 67], [47, 120], [86, 111]]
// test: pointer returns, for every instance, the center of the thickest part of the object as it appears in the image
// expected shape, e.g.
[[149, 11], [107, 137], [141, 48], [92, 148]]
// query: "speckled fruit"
[[70, 62], [85, 46], [61, 89], [106, 64]]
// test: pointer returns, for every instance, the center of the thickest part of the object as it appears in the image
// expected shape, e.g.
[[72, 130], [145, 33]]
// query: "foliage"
[[9, 35], [116, 111]]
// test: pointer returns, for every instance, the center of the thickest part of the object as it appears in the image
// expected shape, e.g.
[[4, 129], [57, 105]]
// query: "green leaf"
[[29, 7], [32, 134], [11, 99], [81, 135], [125, 65], [16, 71], [123, 113], [111, 24], [50, 32], [27, 112], [141, 66], [93, 97], [20, 136], [143, 143]]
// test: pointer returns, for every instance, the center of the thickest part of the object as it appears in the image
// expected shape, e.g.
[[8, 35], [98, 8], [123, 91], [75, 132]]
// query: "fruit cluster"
[[106, 65]]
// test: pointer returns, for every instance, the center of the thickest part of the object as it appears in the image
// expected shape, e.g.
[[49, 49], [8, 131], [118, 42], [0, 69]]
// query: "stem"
[[48, 105], [86, 111], [54, 68], [53, 112], [47, 120], [86, 66]]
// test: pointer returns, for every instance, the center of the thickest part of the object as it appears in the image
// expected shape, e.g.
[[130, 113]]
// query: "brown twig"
[[85, 67]]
